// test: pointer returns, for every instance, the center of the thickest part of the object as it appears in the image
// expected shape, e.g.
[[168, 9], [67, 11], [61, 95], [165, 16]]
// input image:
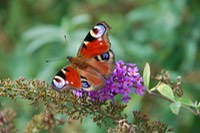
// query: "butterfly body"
[[94, 63], [78, 62]]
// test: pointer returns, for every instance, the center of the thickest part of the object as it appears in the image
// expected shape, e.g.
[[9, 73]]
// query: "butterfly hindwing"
[[74, 78], [68, 77], [104, 63], [91, 79]]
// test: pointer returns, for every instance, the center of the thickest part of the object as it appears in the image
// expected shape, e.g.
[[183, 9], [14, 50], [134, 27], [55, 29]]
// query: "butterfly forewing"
[[96, 42], [96, 49]]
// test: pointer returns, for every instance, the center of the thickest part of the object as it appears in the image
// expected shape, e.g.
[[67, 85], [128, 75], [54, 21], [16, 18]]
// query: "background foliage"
[[164, 33]]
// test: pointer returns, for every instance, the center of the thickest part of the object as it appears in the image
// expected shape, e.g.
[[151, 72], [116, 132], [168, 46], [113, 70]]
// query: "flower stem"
[[169, 100]]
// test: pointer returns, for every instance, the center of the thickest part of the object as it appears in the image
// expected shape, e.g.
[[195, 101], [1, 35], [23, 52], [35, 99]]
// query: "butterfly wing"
[[96, 42], [71, 77], [95, 49], [104, 63], [95, 61], [91, 79], [67, 78]]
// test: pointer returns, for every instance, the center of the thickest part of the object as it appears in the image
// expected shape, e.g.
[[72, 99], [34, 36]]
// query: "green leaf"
[[198, 105], [185, 101], [195, 104], [166, 91], [146, 75], [153, 89], [175, 107]]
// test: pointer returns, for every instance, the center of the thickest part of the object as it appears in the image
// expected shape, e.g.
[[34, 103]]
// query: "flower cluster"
[[122, 81]]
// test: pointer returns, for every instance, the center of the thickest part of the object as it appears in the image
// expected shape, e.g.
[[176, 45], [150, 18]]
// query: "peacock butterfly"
[[93, 64]]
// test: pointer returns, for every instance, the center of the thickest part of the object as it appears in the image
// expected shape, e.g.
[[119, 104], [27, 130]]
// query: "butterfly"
[[94, 63]]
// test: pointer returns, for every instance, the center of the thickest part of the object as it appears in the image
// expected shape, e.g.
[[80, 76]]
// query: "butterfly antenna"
[[63, 58], [57, 59], [67, 47]]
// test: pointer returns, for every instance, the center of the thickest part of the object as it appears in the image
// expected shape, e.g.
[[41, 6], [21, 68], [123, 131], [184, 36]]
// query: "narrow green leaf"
[[198, 105], [195, 104], [175, 107], [146, 75], [153, 89], [166, 91], [185, 101]]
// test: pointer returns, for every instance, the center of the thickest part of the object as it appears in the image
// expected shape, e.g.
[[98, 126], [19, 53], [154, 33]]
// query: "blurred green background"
[[164, 33]]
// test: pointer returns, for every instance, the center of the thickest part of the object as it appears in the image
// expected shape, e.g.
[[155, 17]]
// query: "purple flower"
[[115, 88], [93, 95], [133, 71], [138, 79], [128, 81], [124, 78], [126, 91], [78, 93], [126, 99], [140, 90], [105, 95]]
